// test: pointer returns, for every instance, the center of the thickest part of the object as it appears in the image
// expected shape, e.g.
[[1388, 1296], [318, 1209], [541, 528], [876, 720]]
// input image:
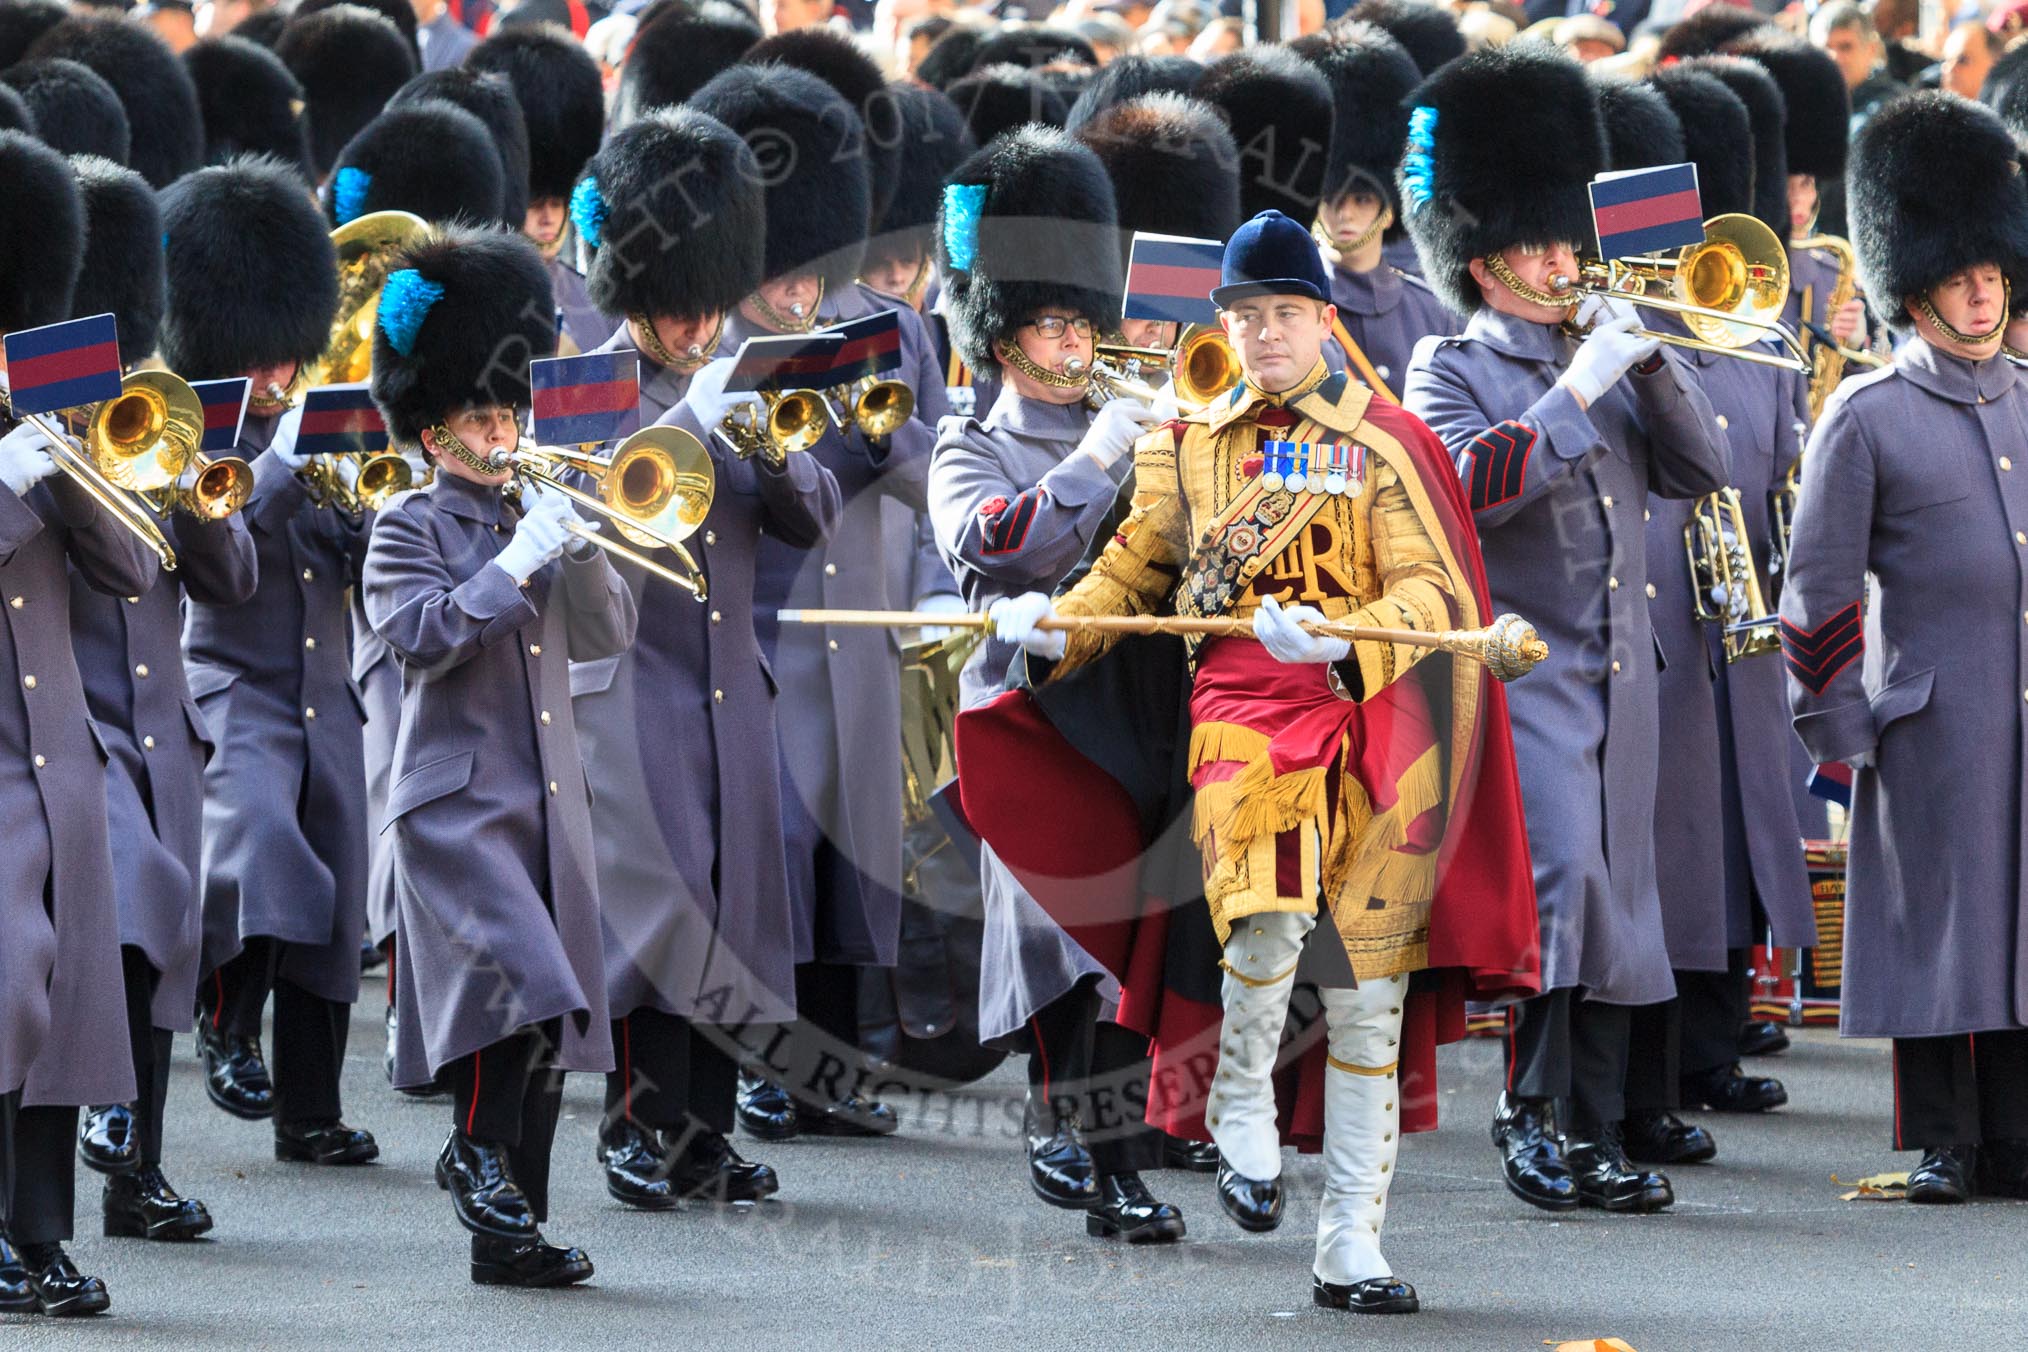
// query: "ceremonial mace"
[[1509, 646]]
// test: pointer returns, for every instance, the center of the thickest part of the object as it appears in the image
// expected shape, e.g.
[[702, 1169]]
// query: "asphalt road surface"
[[931, 1239]]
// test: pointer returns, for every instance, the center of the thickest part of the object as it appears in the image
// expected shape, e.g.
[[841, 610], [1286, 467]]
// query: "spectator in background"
[[1899, 24], [921, 35], [1108, 34], [1968, 54], [782, 16], [174, 21], [1220, 37], [215, 18], [442, 40], [1588, 37], [1847, 36]]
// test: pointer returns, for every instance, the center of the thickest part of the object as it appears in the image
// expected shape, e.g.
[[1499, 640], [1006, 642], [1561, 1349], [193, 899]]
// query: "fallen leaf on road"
[[1874, 1188]]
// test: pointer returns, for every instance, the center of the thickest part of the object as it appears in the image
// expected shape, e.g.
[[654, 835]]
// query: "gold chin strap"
[[782, 323], [1971, 339], [659, 353], [1011, 355], [1352, 245], [1532, 294], [443, 439]]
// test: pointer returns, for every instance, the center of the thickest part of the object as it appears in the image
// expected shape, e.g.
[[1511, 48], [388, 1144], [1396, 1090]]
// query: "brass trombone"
[[1724, 585], [98, 480], [1729, 289], [151, 432], [656, 488], [780, 423], [1202, 364]]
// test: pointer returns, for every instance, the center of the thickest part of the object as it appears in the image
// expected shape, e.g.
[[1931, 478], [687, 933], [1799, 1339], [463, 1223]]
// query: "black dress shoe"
[[1607, 1181], [636, 1172], [1532, 1153], [235, 1076], [1199, 1157], [2003, 1169], [765, 1109], [1728, 1089], [1060, 1167], [1127, 1210], [1253, 1203], [1376, 1295], [1944, 1178], [529, 1263], [107, 1140], [1664, 1138], [1762, 1037], [60, 1289], [708, 1169], [16, 1296], [487, 1200], [855, 1115], [326, 1142], [142, 1205]]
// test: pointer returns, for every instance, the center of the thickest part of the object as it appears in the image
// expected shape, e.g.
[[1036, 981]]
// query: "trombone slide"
[[104, 494]]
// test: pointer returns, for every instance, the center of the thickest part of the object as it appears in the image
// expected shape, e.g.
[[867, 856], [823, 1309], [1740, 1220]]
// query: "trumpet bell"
[[1740, 268], [221, 488], [797, 421], [883, 407], [144, 438], [380, 479], [1205, 365]]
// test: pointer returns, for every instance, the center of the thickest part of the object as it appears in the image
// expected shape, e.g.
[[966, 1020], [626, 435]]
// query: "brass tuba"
[[1724, 584], [366, 248]]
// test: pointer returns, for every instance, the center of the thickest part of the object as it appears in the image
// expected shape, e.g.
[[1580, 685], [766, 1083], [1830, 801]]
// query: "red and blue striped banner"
[[581, 400], [224, 411], [340, 420], [63, 365], [1646, 211], [790, 361], [867, 347], [1171, 277], [1832, 782]]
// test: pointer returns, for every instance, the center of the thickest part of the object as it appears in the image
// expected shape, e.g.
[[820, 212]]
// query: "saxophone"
[[1828, 362]]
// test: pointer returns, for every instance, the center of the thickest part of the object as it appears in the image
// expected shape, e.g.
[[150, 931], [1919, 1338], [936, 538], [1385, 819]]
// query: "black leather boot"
[[61, 1291], [853, 1115], [1127, 1210], [1198, 1157], [1762, 1037], [1376, 1295], [1728, 1089], [765, 1109], [484, 1195], [16, 1296], [636, 1172], [708, 1169], [1060, 1167], [235, 1076], [328, 1141], [142, 1205], [1944, 1177], [1532, 1153], [1253, 1203], [109, 1140], [2003, 1169], [1606, 1180], [1664, 1138], [527, 1263]]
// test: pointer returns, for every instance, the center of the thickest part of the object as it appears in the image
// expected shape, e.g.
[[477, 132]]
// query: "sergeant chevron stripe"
[[1816, 656], [1007, 520], [1499, 463]]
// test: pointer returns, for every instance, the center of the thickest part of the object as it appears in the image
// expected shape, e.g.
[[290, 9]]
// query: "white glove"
[[541, 536], [939, 603], [24, 459], [1605, 355], [1281, 633], [283, 447], [1120, 423], [1014, 618]]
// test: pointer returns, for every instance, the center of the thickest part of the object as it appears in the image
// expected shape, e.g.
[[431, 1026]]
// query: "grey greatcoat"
[[1918, 475], [378, 675], [1015, 508], [1560, 496], [1387, 312], [1725, 821], [680, 747], [285, 790], [494, 879], [129, 650], [661, 388], [841, 688], [63, 1009], [578, 321]]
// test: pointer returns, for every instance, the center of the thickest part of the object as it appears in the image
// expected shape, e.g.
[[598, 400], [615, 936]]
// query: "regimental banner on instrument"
[[1646, 211], [581, 400], [63, 365], [1171, 277], [224, 412], [340, 420], [1833, 783], [867, 347], [791, 361]]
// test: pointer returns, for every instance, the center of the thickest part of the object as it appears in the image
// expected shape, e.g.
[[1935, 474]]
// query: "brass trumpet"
[[656, 488], [779, 424], [876, 407], [375, 479], [98, 471], [1724, 585], [1202, 365]]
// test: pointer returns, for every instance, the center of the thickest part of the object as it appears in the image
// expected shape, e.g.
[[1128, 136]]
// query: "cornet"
[[782, 422], [1724, 585]]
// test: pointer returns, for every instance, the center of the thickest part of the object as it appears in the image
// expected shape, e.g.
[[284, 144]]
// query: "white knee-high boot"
[[1362, 1128], [1260, 972]]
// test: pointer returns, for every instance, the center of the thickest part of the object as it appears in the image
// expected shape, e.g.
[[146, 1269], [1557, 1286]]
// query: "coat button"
[[832, 644], [141, 670], [1651, 591], [552, 788], [830, 570], [309, 713], [309, 575], [711, 537], [1612, 584], [310, 645], [535, 650], [716, 617], [148, 743], [1616, 668], [1607, 501], [2005, 463], [2021, 537], [133, 600], [28, 681], [40, 762], [1722, 423], [718, 697], [17, 601], [545, 718], [1647, 515]]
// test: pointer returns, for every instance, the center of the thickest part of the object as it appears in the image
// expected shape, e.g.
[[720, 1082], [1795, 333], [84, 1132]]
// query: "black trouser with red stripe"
[[308, 1048], [1080, 1063], [1563, 1046], [510, 1094], [150, 1048], [821, 1049], [1971, 1089], [671, 1075], [38, 1171]]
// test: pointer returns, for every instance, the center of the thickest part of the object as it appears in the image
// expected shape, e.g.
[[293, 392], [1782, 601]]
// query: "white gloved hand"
[[1605, 355], [24, 459], [1281, 633], [541, 536], [1014, 618], [283, 447], [1598, 309], [940, 603], [1120, 423]]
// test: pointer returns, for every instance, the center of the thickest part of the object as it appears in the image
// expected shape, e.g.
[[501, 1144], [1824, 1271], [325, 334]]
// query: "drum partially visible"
[[1799, 988]]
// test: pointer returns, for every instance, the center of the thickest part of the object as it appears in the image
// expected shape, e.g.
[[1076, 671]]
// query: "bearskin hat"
[[839, 63], [253, 279], [1128, 77], [1026, 222], [122, 273], [2006, 85], [1641, 130], [938, 142], [400, 13], [22, 22], [14, 113], [1427, 30], [1819, 106], [430, 158], [562, 100], [41, 234], [675, 56], [818, 197], [252, 105], [75, 110], [349, 60], [1279, 108], [1173, 165], [951, 57], [674, 211], [1717, 136], [263, 27], [1709, 30], [461, 315], [165, 128], [1502, 147], [1370, 75], [1935, 187], [1034, 46], [995, 99], [491, 99], [1766, 114]]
